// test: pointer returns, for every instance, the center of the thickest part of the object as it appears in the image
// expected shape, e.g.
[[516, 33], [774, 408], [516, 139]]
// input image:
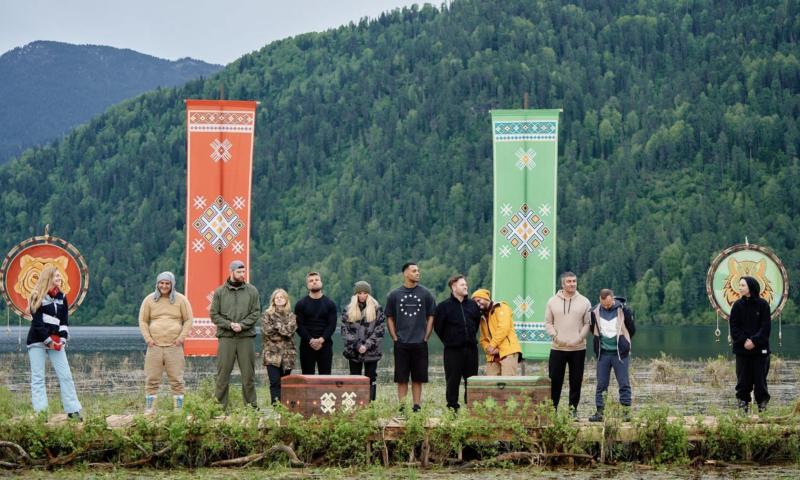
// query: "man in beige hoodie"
[[567, 319], [165, 318]]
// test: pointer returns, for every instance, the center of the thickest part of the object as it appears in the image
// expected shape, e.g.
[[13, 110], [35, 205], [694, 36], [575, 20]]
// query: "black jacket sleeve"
[[63, 318], [438, 320], [735, 323], [330, 327], [630, 324]]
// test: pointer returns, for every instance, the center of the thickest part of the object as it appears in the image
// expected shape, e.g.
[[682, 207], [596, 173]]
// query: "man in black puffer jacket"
[[750, 329], [456, 321]]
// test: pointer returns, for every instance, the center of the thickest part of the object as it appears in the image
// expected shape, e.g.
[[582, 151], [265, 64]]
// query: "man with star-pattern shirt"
[[409, 314]]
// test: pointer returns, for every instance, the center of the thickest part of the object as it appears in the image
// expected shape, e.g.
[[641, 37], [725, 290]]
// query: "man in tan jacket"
[[165, 318], [567, 319]]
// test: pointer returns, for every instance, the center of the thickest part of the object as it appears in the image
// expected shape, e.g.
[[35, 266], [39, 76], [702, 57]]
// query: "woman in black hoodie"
[[750, 329]]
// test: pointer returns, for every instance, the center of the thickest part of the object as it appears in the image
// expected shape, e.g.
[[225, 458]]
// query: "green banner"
[[524, 238]]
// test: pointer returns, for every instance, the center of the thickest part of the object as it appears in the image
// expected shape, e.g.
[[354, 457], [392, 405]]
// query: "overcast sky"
[[214, 31]]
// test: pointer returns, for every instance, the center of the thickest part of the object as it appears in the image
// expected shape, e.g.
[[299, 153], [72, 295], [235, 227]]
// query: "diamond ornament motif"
[[525, 231], [219, 224]]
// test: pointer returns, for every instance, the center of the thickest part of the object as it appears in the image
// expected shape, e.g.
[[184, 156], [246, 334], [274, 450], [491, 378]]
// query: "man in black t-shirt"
[[316, 322], [409, 317]]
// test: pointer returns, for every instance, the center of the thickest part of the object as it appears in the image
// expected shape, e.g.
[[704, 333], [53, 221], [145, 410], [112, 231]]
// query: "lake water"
[[687, 343]]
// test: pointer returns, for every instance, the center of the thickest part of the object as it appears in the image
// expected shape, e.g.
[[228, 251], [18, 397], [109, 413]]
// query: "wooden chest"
[[501, 389], [324, 394]]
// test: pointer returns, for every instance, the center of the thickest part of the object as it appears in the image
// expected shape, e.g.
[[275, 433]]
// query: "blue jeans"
[[605, 363], [58, 358]]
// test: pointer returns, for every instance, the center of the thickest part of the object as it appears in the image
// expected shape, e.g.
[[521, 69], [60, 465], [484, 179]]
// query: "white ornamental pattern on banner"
[[525, 159], [526, 231], [203, 328], [221, 121], [523, 307], [221, 150], [219, 224]]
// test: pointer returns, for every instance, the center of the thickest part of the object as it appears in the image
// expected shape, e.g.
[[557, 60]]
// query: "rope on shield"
[[780, 331], [730, 340], [717, 332]]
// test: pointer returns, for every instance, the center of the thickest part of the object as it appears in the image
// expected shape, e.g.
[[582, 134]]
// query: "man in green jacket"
[[235, 309]]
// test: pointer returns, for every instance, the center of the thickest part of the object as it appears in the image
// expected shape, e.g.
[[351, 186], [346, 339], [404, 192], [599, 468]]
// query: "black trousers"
[[275, 374], [751, 374], [557, 366], [459, 362], [370, 370], [321, 359]]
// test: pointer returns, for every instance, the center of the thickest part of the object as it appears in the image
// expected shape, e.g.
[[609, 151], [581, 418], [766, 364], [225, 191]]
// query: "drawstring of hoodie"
[[564, 305]]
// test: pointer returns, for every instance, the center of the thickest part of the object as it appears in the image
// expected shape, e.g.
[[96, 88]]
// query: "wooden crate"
[[501, 389], [324, 394]]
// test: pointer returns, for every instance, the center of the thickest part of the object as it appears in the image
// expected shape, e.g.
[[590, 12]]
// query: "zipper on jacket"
[[464, 318]]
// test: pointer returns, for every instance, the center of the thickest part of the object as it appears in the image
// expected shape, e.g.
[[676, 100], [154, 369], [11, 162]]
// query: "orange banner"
[[219, 145]]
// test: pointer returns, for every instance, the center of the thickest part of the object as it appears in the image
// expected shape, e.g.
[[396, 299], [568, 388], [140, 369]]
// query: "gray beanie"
[[362, 286], [236, 264], [170, 277]]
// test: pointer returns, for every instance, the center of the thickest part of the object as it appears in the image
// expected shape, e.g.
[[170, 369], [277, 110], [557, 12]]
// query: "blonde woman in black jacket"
[[363, 328]]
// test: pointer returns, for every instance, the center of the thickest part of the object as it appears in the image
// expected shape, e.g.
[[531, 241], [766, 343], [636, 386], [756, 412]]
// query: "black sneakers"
[[75, 416]]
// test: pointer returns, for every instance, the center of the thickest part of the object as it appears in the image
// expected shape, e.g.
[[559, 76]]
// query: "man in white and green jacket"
[[612, 327]]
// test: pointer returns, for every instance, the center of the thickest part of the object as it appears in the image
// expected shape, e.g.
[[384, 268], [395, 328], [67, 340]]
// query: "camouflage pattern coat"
[[370, 334], [277, 339]]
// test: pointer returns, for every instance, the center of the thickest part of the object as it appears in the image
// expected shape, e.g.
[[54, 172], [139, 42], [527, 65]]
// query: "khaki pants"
[[156, 361], [239, 350], [508, 366]]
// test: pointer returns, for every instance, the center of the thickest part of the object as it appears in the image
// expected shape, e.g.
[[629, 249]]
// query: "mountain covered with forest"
[[48, 88], [679, 137]]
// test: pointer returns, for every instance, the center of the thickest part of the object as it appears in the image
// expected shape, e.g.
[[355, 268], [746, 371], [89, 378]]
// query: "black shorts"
[[411, 359]]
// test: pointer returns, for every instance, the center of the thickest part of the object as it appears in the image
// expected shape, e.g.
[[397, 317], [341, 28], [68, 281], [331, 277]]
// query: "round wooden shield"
[[23, 264], [746, 260]]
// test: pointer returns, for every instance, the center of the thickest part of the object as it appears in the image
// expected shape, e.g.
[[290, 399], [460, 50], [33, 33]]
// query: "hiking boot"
[[416, 408], [598, 416], [149, 404], [626, 413], [743, 406], [177, 402], [75, 416], [762, 406], [573, 412]]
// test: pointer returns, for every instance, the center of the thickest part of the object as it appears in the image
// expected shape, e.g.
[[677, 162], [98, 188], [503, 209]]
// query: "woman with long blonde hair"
[[363, 327], [278, 325], [47, 338]]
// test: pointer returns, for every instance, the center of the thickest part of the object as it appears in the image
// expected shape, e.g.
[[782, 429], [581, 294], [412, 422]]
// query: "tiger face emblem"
[[746, 268], [31, 267]]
